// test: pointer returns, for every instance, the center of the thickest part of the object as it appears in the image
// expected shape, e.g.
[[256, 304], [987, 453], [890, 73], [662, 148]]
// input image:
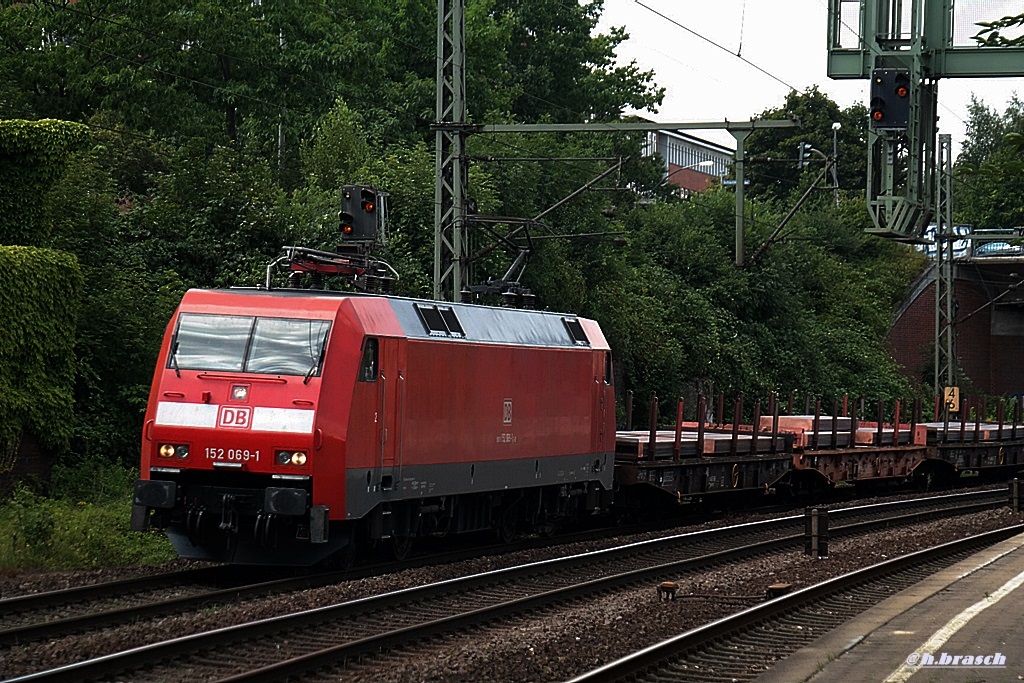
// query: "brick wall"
[[993, 363]]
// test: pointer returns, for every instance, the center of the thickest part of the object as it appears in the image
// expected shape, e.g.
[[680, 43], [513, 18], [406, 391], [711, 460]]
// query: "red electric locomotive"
[[285, 426]]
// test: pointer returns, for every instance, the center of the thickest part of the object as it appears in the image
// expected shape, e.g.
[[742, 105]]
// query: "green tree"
[[810, 315], [556, 66], [774, 170], [989, 172], [991, 32]]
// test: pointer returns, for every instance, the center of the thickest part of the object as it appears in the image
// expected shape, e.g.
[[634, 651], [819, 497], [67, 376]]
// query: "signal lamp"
[[360, 214], [368, 200], [347, 219], [890, 99]]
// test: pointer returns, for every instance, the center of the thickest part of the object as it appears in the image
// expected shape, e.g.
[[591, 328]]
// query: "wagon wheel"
[[401, 545]]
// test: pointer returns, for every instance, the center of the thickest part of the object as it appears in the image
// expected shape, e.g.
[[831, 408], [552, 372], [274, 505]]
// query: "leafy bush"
[[83, 523]]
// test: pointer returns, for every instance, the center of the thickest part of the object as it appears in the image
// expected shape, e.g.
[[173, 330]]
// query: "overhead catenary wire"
[[717, 45]]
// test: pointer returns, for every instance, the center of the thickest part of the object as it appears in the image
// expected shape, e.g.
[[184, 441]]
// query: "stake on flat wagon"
[[963, 420], [881, 415], [737, 415], [977, 423], [817, 417], [915, 418], [1000, 414], [853, 428], [679, 429], [653, 438], [1016, 418], [702, 416], [775, 425], [835, 425], [757, 427], [945, 422], [896, 424]]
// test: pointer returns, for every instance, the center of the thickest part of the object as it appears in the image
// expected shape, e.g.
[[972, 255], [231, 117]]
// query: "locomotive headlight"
[[168, 450], [296, 458]]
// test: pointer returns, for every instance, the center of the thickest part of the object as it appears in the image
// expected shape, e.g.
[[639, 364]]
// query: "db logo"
[[507, 412], [234, 417]]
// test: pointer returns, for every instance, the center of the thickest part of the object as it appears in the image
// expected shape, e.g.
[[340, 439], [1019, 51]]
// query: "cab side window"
[[608, 368], [368, 368]]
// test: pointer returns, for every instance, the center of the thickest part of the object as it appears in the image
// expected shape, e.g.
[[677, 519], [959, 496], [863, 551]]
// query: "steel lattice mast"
[[450, 239]]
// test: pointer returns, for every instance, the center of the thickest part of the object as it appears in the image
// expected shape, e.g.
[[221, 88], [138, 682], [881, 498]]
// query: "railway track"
[[39, 616], [318, 638], [742, 646]]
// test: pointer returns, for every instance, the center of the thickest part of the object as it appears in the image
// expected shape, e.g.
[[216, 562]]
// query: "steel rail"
[[33, 603], [659, 655], [111, 617]]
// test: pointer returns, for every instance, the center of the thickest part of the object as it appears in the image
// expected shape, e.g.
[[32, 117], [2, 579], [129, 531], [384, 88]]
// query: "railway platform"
[[961, 624]]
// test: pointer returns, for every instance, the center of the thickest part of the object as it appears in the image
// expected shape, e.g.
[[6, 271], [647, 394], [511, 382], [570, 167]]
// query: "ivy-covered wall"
[[32, 156], [39, 291]]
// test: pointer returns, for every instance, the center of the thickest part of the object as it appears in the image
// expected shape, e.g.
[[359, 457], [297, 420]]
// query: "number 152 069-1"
[[233, 454]]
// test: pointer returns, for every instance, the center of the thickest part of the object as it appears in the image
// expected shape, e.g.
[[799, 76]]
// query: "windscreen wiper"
[[319, 360], [174, 359]]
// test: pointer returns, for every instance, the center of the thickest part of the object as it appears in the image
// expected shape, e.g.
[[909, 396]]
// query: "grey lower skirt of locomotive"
[[253, 520], [256, 520]]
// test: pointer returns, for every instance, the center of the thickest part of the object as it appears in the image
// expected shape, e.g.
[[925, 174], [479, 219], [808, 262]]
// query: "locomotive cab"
[[230, 438]]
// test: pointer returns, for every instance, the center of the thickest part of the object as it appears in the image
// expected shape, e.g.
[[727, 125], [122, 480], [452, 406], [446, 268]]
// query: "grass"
[[80, 523]]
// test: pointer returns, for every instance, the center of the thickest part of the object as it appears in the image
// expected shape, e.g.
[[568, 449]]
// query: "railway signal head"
[[804, 150], [890, 99], [360, 215]]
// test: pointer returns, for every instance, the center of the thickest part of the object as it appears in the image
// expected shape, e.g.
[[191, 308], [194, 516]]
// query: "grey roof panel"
[[491, 325]]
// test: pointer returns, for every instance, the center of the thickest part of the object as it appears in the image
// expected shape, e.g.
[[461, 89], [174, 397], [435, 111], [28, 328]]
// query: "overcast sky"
[[784, 45]]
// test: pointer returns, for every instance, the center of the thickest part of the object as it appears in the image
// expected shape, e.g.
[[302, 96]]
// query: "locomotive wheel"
[[401, 546], [507, 526], [346, 557]]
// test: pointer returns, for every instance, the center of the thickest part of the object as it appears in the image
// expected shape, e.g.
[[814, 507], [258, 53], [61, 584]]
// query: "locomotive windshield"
[[235, 343]]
